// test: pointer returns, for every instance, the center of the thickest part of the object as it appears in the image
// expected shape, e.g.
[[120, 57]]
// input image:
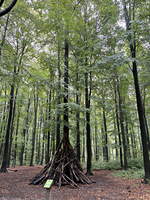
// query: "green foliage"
[[135, 164], [111, 165], [130, 174]]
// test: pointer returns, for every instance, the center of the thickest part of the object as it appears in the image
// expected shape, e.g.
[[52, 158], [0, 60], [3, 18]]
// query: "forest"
[[75, 90]]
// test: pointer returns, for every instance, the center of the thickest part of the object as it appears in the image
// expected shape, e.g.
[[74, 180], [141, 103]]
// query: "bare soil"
[[15, 186]]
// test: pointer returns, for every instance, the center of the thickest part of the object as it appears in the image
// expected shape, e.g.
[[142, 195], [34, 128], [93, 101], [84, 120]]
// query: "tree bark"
[[121, 114], [105, 137], [88, 127], [66, 82], [24, 133], [8, 129], [132, 46], [142, 123], [77, 117], [118, 124], [48, 132], [16, 136], [12, 127], [58, 115], [34, 125]]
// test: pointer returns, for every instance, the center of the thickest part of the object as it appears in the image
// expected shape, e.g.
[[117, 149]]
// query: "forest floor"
[[15, 186]]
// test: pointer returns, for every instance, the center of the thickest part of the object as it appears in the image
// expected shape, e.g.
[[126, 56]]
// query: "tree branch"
[[1, 3], [8, 9]]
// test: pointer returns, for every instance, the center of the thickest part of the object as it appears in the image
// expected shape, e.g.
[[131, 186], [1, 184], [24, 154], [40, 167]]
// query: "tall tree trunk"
[[48, 132], [58, 115], [142, 123], [128, 139], [16, 136], [24, 133], [118, 124], [34, 125], [133, 142], [3, 125], [146, 124], [96, 141], [105, 137], [66, 82], [42, 153], [83, 146], [88, 127], [39, 147], [132, 45], [7, 136], [116, 138], [12, 127], [121, 114], [77, 117]]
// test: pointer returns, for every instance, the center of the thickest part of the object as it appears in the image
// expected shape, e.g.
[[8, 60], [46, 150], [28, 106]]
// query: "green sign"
[[48, 183]]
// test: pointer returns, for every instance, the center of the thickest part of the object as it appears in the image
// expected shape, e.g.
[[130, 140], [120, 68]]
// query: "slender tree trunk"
[[83, 146], [122, 128], [105, 137], [146, 124], [3, 125], [88, 127], [118, 125], [42, 153], [6, 145], [66, 83], [142, 123], [24, 133], [1, 46], [34, 126], [77, 117], [132, 45], [58, 116], [116, 139], [16, 136], [48, 132], [12, 127], [96, 141], [39, 147], [133, 142], [25, 160], [128, 139]]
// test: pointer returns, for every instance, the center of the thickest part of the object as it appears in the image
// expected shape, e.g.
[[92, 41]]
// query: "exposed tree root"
[[64, 169]]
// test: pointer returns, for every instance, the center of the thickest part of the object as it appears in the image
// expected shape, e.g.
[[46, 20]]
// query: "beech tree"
[[133, 50]]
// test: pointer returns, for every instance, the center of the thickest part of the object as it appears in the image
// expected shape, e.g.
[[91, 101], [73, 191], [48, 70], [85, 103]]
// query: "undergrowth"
[[111, 165], [130, 173], [135, 168]]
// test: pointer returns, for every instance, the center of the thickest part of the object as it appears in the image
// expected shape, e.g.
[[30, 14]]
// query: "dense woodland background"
[[81, 56]]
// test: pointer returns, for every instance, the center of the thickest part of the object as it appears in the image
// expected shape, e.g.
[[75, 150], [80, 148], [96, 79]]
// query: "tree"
[[133, 52], [64, 168]]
